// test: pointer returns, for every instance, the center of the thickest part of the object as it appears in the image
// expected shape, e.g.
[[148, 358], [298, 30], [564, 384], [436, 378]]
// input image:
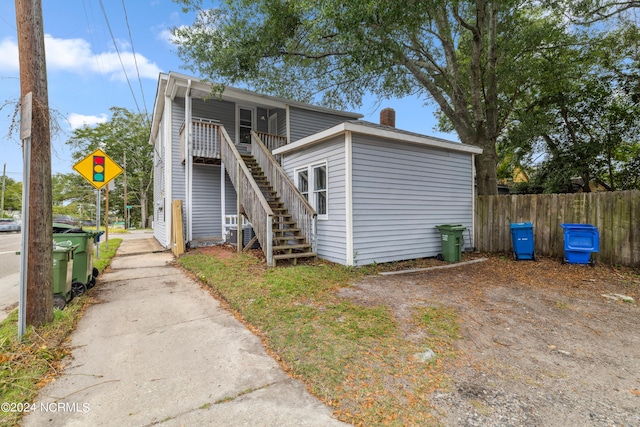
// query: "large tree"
[[125, 134], [474, 58], [583, 123]]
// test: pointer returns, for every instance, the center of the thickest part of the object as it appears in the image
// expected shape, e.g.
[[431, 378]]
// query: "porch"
[[205, 136]]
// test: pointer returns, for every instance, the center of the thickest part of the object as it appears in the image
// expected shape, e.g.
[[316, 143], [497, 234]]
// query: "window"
[[312, 183], [246, 125]]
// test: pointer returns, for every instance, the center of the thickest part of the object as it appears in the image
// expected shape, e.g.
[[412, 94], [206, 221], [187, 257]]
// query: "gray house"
[[310, 181]]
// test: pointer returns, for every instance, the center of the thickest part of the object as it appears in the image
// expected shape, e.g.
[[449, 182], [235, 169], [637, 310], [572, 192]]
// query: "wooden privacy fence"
[[615, 214]]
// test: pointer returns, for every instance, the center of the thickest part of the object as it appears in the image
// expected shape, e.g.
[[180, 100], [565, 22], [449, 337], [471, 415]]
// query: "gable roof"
[[177, 85], [380, 131]]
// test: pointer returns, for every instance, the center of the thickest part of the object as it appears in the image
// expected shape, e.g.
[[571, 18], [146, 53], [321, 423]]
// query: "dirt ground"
[[541, 345]]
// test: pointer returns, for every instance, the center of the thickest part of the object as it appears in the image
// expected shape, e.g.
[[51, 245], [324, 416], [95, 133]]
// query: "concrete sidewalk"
[[159, 350]]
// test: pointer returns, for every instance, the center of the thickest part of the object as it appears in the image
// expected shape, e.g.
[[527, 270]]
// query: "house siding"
[[401, 192], [177, 167], [223, 111], [206, 206], [331, 233], [306, 122], [159, 225]]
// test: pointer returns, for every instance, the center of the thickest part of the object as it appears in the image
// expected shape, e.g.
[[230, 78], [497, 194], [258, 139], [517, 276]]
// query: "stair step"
[[295, 255], [284, 223], [290, 247], [286, 230], [286, 238]]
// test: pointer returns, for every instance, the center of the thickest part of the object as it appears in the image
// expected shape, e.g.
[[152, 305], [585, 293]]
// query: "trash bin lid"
[[451, 227], [60, 228]]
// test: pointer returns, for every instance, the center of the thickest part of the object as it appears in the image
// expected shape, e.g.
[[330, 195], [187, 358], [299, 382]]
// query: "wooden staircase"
[[288, 241]]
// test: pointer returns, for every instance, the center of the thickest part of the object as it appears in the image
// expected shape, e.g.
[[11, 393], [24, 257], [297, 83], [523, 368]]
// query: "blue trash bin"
[[580, 240], [522, 240]]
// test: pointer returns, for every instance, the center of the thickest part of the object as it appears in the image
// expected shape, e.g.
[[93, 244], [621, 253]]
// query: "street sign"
[[98, 169]]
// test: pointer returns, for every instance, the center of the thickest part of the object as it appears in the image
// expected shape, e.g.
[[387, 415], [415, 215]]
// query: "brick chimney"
[[388, 117]]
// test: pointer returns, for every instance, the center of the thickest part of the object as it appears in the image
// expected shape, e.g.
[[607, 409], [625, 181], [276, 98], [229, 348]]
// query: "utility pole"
[[39, 248]]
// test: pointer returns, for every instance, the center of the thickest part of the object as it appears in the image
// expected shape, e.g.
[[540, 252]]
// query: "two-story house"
[[311, 181]]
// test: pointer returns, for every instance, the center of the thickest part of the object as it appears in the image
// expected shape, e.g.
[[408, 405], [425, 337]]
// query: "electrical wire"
[[135, 60], [104, 12]]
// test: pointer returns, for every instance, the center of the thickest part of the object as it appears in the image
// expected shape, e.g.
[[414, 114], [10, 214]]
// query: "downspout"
[[188, 162], [473, 200], [223, 201], [348, 173]]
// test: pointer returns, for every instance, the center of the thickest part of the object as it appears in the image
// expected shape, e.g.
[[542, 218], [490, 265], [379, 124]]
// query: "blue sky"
[[85, 75]]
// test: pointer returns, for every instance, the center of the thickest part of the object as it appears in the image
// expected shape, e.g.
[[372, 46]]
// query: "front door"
[[245, 126]]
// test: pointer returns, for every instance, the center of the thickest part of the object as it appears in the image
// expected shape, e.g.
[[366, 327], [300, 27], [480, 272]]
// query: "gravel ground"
[[544, 344]]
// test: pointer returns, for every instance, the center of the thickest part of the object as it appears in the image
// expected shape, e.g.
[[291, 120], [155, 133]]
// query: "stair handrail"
[[298, 206], [253, 201]]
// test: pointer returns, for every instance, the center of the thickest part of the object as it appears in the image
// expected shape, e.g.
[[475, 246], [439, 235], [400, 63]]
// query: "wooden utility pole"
[[4, 178], [33, 78]]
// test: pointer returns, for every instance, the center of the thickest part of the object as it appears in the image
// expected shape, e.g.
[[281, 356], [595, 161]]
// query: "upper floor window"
[[245, 125]]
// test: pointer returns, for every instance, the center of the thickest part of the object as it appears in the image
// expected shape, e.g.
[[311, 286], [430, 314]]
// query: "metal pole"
[[106, 216], [24, 259], [98, 221]]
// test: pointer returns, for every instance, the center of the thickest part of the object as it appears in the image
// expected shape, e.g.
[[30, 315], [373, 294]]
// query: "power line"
[[135, 59], [104, 12]]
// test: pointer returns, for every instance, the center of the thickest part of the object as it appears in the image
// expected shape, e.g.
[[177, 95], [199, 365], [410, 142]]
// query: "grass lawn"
[[355, 358], [28, 365]]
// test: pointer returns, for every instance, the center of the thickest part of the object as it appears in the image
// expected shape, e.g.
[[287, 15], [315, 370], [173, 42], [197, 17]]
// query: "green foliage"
[[12, 195], [474, 59], [125, 134]]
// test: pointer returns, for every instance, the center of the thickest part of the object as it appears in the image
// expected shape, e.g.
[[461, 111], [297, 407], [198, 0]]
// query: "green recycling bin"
[[83, 273], [451, 240], [62, 272]]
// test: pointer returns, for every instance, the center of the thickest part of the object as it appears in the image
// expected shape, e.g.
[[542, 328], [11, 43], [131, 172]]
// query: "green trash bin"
[[83, 273], [451, 240], [62, 272]]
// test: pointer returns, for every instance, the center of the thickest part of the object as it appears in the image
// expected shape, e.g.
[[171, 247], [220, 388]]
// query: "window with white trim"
[[245, 125], [312, 182]]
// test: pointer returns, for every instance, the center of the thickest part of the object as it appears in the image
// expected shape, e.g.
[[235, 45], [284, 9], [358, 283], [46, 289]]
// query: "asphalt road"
[[9, 272], [10, 266]]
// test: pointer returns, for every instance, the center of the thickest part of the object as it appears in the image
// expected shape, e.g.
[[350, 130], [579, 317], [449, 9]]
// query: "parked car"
[[9, 225], [65, 219]]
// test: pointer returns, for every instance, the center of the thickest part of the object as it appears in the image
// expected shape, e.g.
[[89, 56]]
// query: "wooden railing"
[[272, 142], [205, 138], [255, 205], [300, 209]]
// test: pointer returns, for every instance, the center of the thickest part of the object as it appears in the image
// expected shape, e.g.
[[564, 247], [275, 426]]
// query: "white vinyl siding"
[[401, 192], [331, 232]]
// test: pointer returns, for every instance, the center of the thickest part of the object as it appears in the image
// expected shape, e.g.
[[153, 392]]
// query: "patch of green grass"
[[562, 305], [355, 358], [28, 365]]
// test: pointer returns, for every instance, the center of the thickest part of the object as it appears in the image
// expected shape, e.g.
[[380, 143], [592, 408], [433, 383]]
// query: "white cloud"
[[75, 55], [166, 36], [9, 55], [79, 120]]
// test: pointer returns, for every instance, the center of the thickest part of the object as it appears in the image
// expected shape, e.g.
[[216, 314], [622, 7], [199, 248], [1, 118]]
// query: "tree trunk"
[[486, 170], [33, 78]]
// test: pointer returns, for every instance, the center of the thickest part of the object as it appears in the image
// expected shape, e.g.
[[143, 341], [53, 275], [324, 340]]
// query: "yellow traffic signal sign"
[[98, 169]]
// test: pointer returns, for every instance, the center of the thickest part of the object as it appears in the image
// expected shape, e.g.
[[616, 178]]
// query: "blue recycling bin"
[[580, 241], [522, 241]]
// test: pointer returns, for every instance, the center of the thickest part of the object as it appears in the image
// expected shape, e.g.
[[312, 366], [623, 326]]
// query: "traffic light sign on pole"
[[98, 169]]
